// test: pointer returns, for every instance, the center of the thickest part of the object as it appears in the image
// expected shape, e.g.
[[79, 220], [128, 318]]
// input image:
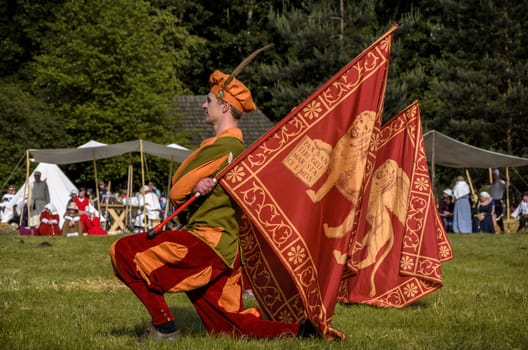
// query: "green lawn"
[[64, 296]]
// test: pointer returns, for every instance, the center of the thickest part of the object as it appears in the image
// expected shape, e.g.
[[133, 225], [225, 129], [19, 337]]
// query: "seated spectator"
[[105, 195], [82, 203], [90, 195], [72, 226], [102, 189], [445, 209], [10, 193], [93, 222], [5, 211], [148, 204], [15, 219], [154, 188], [485, 214], [521, 212], [49, 222], [123, 196], [20, 210]]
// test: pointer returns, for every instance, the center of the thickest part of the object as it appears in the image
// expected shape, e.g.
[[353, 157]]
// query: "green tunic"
[[216, 210]]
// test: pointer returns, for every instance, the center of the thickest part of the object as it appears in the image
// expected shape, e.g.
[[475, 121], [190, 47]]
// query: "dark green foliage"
[[106, 70], [22, 117], [312, 44]]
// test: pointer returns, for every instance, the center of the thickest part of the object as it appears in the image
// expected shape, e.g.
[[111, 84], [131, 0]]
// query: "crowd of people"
[[459, 209], [82, 215], [462, 213]]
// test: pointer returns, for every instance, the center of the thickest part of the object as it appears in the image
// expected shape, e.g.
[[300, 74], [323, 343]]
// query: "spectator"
[[10, 193], [82, 203], [90, 195], [102, 189], [93, 222], [49, 222], [123, 196], [462, 209], [148, 204], [72, 226], [445, 209], [20, 210], [522, 212], [497, 189], [15, 218], [154, 188], [4, 210], [485, 214], [39, 198]]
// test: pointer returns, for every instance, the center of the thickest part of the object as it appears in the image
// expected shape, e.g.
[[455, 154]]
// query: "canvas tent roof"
[[59, 186], [95, 150], [446, 151]]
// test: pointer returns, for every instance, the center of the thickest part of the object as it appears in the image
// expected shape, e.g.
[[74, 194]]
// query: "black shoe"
[[307, 330], [152, 334]]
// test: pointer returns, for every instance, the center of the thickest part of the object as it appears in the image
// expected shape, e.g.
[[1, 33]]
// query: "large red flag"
[[400, 240], [298, 186]]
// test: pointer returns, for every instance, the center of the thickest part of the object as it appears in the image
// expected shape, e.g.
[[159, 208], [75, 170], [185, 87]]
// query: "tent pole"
[[107, 199], [167, 203], [507, 193], [490, 175], [130, 184], [470, 184], [27, 194], [145, 220], [127, 201], [97, 187]]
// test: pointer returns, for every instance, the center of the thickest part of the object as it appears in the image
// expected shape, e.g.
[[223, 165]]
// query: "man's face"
[[213, 110], [37, 177]]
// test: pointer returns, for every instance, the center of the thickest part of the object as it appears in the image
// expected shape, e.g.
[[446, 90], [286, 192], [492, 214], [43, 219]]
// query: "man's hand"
[[204, 186]]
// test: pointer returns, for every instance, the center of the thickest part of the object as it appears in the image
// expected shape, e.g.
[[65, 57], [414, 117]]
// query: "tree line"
[[76, 70]]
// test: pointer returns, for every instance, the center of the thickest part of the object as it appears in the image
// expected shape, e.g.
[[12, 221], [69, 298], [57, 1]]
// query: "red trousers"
[[177, 261]]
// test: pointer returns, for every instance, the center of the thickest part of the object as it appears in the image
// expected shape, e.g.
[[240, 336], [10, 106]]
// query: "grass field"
[[62, 295]]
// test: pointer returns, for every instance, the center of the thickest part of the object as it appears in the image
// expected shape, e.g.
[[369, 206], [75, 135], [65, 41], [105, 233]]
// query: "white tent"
[[175, 145], [92, 143], [93, 150], [59, 187]]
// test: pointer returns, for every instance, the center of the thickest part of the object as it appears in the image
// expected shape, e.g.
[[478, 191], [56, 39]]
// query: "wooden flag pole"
[[155, 230]]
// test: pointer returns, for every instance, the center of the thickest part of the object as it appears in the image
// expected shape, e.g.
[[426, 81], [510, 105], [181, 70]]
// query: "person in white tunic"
[[462, 222], [522, 212], [149, 204]]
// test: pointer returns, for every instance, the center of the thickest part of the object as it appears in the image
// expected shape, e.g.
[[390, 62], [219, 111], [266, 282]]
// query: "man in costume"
[[202, 259], [39, 198], [497, 189], [149, 205]]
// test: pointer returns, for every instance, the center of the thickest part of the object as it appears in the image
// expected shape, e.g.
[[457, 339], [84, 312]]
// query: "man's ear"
[[225, 107]]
